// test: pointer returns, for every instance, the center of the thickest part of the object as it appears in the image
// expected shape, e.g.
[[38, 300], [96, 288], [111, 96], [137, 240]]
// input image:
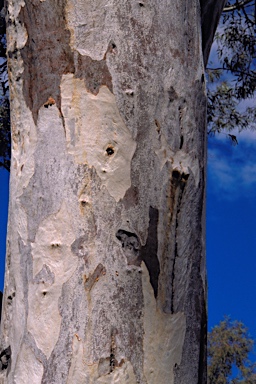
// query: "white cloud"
[[232, 170]]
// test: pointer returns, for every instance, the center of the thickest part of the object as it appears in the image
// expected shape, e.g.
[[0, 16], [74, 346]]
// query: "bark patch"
[[94, 72], [109, 364], [45, 276], [131, 197], [47, 54], [100, 270], [131, 246], [79, 248], [172, 94], [178, 185], [135, 253], [97, 135]]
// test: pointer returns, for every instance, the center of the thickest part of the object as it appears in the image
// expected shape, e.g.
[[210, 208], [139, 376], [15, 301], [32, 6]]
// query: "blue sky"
[[231, 225], [4, 192]]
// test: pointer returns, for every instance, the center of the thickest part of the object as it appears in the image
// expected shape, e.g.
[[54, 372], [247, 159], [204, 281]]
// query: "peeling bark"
[[105, 269]]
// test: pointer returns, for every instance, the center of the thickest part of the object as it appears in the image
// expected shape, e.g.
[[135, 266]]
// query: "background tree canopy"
[[232, 78], [229, 345]]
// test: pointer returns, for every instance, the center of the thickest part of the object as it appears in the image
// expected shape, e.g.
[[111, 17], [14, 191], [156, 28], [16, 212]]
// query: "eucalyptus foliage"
[[232, 79], [229, 346]]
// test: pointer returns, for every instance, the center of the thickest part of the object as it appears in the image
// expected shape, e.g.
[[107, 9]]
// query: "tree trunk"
[[105, 269]]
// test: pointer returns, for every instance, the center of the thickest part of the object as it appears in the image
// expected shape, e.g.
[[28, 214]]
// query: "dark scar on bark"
[[112, 357], [109, 364], [149, 251], [179, 180], [131, 246], [172, 94], [5, 357], [135, 253]]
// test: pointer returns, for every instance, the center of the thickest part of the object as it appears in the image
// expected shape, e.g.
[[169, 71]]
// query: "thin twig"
[[232, 70], [238, 5]]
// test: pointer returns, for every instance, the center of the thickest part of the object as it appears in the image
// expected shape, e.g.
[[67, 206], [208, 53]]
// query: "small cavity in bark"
[[158, 127], [131, 246], [5, 357], [110, 151]]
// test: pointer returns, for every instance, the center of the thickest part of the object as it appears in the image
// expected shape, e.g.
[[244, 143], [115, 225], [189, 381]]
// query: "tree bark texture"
[[105, 269]]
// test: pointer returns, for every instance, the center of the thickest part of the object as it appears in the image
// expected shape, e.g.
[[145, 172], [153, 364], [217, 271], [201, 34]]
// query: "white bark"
[[105, 270]]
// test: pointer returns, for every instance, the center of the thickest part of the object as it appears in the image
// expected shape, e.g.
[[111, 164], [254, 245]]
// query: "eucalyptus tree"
[[105, 265], [232, 78]]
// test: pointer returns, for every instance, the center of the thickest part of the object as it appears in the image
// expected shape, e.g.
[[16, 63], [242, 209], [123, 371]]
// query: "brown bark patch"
[[131, 197], [47, 54], [49, 102], [94, 72]]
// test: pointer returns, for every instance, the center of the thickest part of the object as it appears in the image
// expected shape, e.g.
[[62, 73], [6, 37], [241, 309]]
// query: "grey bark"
[[105, 269], [210, 12]]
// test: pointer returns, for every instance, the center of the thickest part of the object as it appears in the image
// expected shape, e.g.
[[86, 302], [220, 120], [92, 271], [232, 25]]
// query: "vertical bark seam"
[[180, 180]]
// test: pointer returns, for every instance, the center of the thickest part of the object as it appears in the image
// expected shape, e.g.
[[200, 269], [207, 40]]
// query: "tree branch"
[[250, 74], [238, 5]]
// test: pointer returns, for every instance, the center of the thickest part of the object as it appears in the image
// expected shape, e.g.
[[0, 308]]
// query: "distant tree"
[[233, 80], [229, 345]]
